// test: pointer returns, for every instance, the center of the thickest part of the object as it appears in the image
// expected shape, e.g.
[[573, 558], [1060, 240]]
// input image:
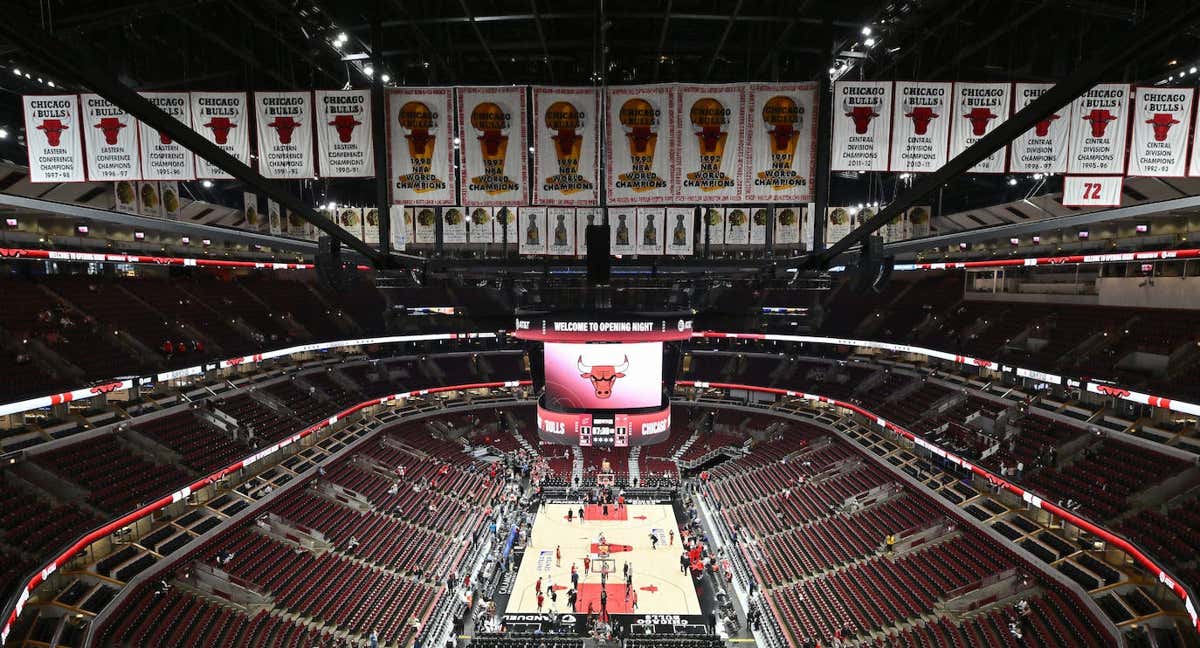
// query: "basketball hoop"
[[606, 479]]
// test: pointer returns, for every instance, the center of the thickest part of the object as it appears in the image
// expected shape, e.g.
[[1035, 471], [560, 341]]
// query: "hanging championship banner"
[[110, 140], [371, 225], [480, 225], [149, 200], [311, 231], [639, 145], [918, 221], [284, 122], [425, 225], [506, 226], [584, 216], [293, 225], [401, 229], [714, 226], [737, 226], [274, 218], [711, 151], [221, 118], [560, 223], [56, 151], [169, 193], [781, 132], [532, 226], [650, 229], [920, 126], [420, 136], [807, 226], [251, 219], [838, 223], [1099, 122], [787, 225], [622, 228], [565, 138], [125, 197], [758, 225], [862, 119], [1043, 148], [454, 225], [896, 228], [492, 127], [680, 223], [979, 108], [350, 219], [1160, 131], [163, 158], [344, 146]]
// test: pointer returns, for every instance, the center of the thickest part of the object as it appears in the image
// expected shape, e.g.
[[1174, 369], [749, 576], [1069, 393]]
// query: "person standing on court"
[[581, 515], [540, 599], [683, 562], [538, 586], [557, 555], [603, 604]]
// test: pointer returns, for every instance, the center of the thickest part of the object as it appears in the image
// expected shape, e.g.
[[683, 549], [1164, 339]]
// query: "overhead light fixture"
[[3, 133], [1192, 70], [866, 31], [207, 184], [870, 42], [342, 37], [361, 56], [1012, 182], [337, 44], [457, 141], [385, 78], [17, 71], [50, 83], [368, 70]]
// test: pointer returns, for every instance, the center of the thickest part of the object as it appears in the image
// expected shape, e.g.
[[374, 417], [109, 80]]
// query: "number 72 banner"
[[1092, 191]]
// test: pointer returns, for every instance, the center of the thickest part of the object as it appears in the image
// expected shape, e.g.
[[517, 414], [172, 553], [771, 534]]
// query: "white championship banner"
[[758, 225], [424, 225], [978, 109], [1161, 117], [56, 150], [344, 145], [650, 229], [454, 225], [480, 225], [862, 120], [110, 140], [807, 225], [584, 216], [681, 223], [1043, 148], [560, 224], [708, 127], [531, 230], [838, 223], [1092, 191], [162, 157], [566, 145], [251, 218], [1099, 121], [491, 123], [350, 220], [168, 191], [274, 218], [505, 229], [896, 228], [622, 230], [640, 145], [787, 224], [149, 201], [920, 126], [401, 230], [737, 226], [713, 220], [781, 142], [918, 221], [223, 119], [285, 134], [371, 225], [420, 136]]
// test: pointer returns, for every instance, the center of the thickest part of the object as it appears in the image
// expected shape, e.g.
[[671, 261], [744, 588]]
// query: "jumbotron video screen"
[[616, 376]]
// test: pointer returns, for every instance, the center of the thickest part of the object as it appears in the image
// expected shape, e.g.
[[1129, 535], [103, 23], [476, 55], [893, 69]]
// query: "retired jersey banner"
[[344, 145], [285, 127], [560, 224], [565, 140], [531, 225], [978, 109], [162, 157], [862, 120], [714, 226], [807, 225], [737, 226], [640, 145], [223, 119], [1043, 148], [492, 127], [781, 133], [708, 123], [480, 226], [650, 229], [56, 150], [110, 139], [584, 216], [787, 224], [1099, 122], [401, 229], [681, 223], [454, 225], [425, 225], [1161, 117], [838, 224], [920, 126], [420, 136], [622, 230], [1092, 191]]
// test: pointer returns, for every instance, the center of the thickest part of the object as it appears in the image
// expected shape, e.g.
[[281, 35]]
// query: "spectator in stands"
[[352, 544], [374, 638], [889, 543]]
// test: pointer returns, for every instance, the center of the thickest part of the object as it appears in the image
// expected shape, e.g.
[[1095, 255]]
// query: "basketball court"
[[657, 581]]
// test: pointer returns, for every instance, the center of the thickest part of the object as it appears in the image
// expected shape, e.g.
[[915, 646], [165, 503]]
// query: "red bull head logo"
[[1099, 118], [921, 116], [1162, 123], [861, 115], [284, 126], [53, 128], [979, 118], [220, 127], [345, 127], [1042, 128], [111, 127], [602, 376]]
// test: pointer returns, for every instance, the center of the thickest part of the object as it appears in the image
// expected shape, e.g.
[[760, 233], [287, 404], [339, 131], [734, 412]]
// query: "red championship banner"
[[223, 119], [862, 119], [640, 145], [708, 123], [1099, 123], [1043, 148], [285, 134], [344, 146], [162, 157], [491, 123], [920, 126], [110, 140], [565, 137], [1161, 117], [420, 136], [978, 108], [781, 132]]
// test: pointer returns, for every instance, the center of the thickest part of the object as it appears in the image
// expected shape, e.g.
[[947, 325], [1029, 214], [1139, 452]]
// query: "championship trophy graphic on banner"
[[780, 146], [565, 146], [493, 164], [709, 121], [566, 121], [640, 120], [491, 124], [641, 155], [420, 161], [781, 116], [420, 125]]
